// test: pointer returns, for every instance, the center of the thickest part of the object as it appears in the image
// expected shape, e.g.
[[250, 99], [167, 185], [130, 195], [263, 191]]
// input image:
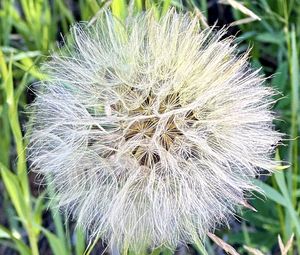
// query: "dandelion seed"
[[151, 130]]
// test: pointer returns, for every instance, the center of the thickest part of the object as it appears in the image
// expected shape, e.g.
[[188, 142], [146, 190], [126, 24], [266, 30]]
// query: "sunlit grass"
[[30, 28]]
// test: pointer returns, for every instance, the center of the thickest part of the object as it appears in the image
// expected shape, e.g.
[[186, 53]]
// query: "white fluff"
[[151, 130]]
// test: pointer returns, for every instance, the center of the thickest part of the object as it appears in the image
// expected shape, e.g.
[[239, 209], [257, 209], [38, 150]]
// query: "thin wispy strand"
[[151, 130]]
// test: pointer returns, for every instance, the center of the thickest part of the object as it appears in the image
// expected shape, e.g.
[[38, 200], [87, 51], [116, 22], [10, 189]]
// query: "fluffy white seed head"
[[151, 130]]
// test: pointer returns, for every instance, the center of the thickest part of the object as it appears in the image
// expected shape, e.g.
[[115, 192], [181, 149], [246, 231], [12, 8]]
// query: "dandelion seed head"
[[151, 130]]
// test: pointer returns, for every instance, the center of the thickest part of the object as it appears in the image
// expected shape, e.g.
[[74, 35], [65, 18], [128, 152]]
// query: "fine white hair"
[[151, 130]]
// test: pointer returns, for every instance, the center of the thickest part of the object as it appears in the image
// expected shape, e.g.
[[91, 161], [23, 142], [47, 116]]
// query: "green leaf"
[[38, 210], [198, 245], [280, 179], [14, 191], [281, 76], [270, 38], [4, 233], [119, 9], [19, 244], [165, 7], [80, 241], [57, 245], [271, 193]]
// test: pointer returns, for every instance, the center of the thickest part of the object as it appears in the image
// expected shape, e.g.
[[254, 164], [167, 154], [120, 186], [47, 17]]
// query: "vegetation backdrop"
[[29, 29]]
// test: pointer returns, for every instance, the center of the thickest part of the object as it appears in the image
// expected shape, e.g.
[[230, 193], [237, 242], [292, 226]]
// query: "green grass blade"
[[57, 245], [19, 245], [80, 241], [294, 70], [14, 190], [280, 179], [271, 193], [119, 9], [165, 7]]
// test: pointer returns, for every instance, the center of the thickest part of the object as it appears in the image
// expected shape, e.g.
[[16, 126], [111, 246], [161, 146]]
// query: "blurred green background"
[[30, 29]]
